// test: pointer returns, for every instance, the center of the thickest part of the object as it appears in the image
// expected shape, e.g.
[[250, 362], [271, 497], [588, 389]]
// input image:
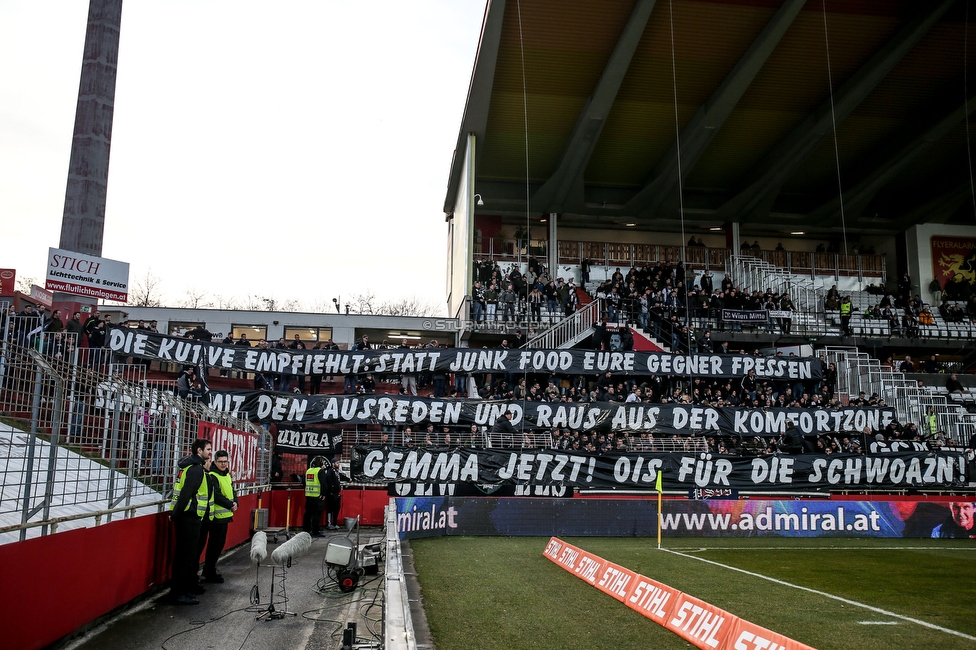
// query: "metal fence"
[[87, 432], [479, 437], [858, 372]]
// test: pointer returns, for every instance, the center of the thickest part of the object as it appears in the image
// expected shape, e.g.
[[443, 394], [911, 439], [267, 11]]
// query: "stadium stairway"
[[859, 372]]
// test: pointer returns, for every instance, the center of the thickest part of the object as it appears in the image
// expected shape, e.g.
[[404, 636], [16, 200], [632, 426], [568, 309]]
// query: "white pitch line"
[[877, 622], [877, 610]]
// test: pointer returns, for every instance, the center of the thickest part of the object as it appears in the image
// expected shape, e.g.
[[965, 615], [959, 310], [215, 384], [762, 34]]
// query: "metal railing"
[[610, 254], [752, 274], [858, 372], [482, 438], [87, 431], [398, 629], [568, 332]]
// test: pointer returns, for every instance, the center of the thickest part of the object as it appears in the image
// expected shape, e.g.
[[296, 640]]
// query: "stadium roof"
[[756, 105]]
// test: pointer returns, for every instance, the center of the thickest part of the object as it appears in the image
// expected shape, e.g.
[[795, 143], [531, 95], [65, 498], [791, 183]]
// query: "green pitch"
[[501, 593]]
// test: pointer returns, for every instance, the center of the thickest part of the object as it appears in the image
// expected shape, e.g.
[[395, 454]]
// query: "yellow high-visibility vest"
[[313, 486], [225, 484], [203, 497]]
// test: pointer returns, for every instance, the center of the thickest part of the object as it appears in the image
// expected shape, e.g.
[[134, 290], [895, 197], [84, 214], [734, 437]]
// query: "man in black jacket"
[[332, 487], [953, 385], [190, 507], [503, 432]]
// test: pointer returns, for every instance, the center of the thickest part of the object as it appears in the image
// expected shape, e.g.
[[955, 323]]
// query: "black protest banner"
[[158, 347], [680, 472], [321, 442], [477, 490], [396, 410]]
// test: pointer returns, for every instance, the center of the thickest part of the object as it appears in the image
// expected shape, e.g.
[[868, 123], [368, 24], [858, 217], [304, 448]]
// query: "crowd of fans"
[[666, 301], [904, 312], [654, 297]]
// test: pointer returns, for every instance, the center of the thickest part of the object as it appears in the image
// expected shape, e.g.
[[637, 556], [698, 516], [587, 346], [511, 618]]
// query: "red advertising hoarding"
[[241, 446], [8, 281]]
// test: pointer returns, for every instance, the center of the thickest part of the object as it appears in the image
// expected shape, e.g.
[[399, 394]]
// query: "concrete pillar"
[[84, 202], [553, 246], [732, 240]]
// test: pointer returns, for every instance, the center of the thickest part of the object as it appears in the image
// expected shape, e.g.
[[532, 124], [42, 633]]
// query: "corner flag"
[[659, 486]]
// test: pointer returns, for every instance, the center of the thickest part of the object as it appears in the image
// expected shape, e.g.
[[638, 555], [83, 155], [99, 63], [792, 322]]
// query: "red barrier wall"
[[89, 572], [83, 573], [86, 573], [366, 503]]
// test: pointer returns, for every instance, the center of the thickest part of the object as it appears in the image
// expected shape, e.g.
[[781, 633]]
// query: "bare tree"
[[322, 305], [252, 302], [226, 303], [195, 299], [24, 284], [362, 303], [412, 306], [146, 291], [292, 304]]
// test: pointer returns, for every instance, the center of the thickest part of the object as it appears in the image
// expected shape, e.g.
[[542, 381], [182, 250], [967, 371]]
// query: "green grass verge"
[[494, 593]]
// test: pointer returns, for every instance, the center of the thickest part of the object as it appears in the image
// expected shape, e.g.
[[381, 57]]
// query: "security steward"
[[191, 506], [315, 497], [846, 308], [213, 532]]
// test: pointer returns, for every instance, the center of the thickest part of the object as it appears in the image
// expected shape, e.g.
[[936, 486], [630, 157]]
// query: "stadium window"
[[180, 328], [308, 334], [254, 332]]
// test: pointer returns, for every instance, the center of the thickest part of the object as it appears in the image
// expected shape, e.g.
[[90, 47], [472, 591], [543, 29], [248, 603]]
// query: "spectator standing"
[[74, 326], [553, 300], [185, 382], [507, 299], [55, 324], [92, 321], [296, 345], [408, 381], [228, 340], [477, 303], [491, 302], [572, 299]]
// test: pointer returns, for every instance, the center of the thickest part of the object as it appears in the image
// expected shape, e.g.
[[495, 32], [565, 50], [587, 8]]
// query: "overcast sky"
[[294, 149]]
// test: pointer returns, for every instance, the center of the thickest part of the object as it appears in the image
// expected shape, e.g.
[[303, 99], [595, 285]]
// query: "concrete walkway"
[[227, 616]]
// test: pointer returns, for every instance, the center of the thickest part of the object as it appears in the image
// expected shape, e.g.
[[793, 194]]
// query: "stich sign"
[[86, 275], [701, 624]]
